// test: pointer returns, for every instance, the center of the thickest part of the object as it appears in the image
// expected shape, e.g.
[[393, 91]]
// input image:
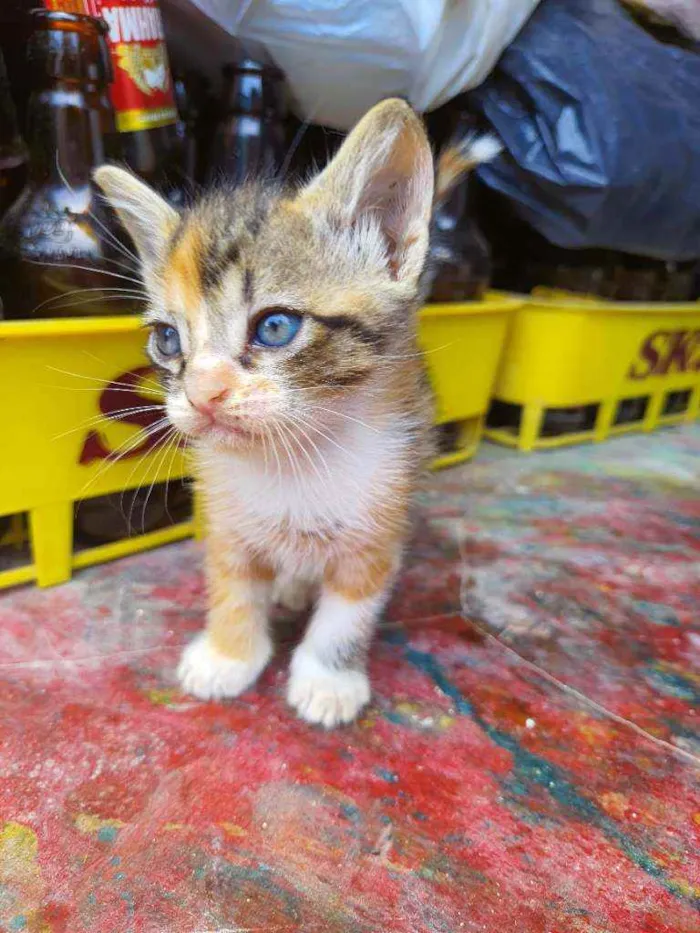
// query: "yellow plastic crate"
[[463, 345], [59, 382], [633, 366], [70, 391]]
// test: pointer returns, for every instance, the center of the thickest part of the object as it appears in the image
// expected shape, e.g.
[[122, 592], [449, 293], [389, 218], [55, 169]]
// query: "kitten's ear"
[[147, 217], [383, 170]]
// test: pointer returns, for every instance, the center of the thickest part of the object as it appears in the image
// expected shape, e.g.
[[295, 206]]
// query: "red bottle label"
[[142, 92]]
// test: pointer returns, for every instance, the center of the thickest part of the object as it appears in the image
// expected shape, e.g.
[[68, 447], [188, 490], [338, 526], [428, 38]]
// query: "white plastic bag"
[[342, 56]]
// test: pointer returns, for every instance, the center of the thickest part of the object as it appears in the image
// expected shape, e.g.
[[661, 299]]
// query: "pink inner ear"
[[383, 170], [400, 195]]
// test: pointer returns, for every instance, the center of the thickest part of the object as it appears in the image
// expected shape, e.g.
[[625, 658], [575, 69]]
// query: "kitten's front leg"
[[235, 646], [328, 681]]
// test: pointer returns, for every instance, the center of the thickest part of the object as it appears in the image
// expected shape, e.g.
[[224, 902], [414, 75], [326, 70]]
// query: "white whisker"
[[142, 381], [91, 269], [81, 291], [113, 416]]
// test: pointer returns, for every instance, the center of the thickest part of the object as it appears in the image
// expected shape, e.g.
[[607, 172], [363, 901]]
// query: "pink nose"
[[208, 400], [207, 397], [209, 385]]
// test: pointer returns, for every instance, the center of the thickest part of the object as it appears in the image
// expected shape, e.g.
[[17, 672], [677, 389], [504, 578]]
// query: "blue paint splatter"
[[107, 833], [394, 717], [264, 877], [386, 775], [351, 812], [428, 664], [131, 905], [673, 684], [18, 923], [656, 613]]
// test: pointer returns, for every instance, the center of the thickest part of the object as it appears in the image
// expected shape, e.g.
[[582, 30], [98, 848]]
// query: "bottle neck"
[[65, 141]]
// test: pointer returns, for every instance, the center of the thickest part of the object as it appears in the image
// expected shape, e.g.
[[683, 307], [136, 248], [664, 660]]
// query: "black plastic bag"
[[601, 123]]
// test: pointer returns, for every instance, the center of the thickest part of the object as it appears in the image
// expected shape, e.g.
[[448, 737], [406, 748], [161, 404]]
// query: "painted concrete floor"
[[529, 762]]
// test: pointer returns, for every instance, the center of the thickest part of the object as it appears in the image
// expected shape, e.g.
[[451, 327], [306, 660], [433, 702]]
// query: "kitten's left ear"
[[383, 170], [148, 218]]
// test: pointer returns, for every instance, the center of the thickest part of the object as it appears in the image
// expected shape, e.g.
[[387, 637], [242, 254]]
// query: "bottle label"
[[142, 92]]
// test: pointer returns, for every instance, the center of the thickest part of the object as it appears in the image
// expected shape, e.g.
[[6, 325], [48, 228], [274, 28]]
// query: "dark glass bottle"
[[459, 265], [525, 260], [249, 139], [142, 92], [13, 152], [15, 29], [14, 32], [59, 253]]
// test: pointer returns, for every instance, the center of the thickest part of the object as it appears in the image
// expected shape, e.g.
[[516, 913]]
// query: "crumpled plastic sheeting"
[[602, 126], [342, 56]]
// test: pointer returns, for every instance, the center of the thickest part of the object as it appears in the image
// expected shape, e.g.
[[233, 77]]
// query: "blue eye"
[[167, 340], [277, 329]]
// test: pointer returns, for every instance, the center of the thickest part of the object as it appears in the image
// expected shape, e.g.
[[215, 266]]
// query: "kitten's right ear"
[[382, 174], [148, 218]]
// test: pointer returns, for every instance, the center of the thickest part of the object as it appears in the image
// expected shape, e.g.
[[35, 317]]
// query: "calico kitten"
[[284, 325]]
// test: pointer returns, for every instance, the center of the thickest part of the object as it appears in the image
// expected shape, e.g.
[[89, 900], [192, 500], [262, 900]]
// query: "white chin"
[[220, 436]]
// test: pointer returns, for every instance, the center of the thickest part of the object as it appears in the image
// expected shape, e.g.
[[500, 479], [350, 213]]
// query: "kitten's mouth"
[[228, 429], [235, 430]]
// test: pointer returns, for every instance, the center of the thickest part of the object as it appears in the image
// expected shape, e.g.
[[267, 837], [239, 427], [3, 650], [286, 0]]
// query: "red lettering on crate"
[[667, 351], [118, 402]]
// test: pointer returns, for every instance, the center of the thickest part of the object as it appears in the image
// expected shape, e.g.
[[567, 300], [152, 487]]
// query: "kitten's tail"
[[458, 158]]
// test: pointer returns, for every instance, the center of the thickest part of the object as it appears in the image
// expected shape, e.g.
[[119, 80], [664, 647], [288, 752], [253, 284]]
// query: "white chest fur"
[[301, 509]]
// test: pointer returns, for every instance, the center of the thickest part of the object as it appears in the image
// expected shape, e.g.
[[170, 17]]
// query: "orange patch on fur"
[[355, 580], [232, 632], [183, 272], [233, 614]]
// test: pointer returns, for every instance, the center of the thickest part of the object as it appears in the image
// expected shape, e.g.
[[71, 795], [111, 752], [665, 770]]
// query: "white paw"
[[325, 696], [210, 675], [293, 594]]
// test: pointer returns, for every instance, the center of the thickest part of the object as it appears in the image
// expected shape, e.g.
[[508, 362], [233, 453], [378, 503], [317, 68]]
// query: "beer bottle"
[[59, 254], [459, 266], [13, 152], [14, 32], [143, 92], [15, 28], [249, 139]]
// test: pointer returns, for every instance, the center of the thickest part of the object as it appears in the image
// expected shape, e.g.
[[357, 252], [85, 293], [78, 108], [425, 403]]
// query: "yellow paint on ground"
[[88, 823]]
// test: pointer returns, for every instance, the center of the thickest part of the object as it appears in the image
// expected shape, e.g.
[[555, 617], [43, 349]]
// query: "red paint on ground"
[[473, 795]]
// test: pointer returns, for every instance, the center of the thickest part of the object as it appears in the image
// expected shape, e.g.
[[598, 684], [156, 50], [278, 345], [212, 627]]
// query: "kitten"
[[284, 325]]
